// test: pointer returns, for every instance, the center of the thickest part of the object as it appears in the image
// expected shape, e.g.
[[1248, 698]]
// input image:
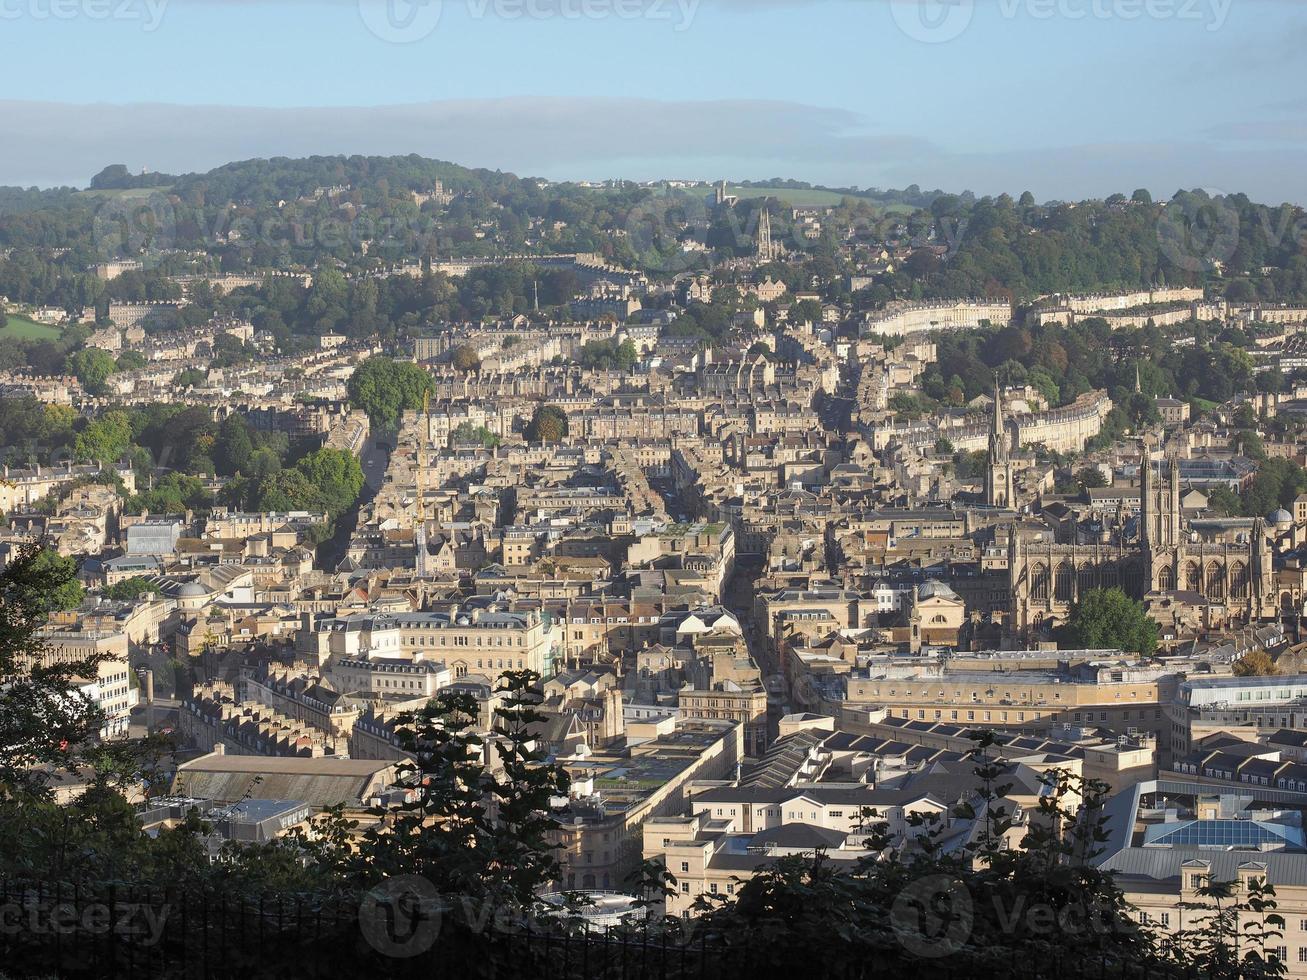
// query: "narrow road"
[[374, 459]]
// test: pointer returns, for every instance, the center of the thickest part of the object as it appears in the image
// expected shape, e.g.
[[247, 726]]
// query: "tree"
[[131, 588], [337, 477], [608, 355], [131, 360], [805, 311], [104, 440], [1108, 619], [385, 389], [1245, 417], [969, 465], [467, 432], [189, 378], [1091, 478], [1223, 502], [548, 424], [43, 711], [465, 358], [234, 446], [943, 447], [1256, 663], [1277, 483], [446, 833], [57, 578], [92, 368]]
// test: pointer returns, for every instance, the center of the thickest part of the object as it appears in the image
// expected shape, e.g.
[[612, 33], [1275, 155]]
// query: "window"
[[1166, 919], [712, 887], [685, 867], [685, 888]]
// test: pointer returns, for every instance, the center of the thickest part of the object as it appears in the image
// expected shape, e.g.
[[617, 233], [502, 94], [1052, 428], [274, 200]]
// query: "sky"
[[1066, 98]]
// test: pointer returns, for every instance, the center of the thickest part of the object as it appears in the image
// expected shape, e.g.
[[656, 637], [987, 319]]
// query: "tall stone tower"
[[766, 249], [1000, 489]]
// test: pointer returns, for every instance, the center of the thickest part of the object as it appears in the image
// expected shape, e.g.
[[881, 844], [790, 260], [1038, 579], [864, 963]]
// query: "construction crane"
[[420, 521]]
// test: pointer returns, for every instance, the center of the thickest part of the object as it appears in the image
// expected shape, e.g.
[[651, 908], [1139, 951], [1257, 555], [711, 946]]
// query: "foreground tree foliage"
[[44, 716]]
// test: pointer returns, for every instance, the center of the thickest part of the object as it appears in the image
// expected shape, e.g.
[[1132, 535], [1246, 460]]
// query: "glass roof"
[[1223, 833]]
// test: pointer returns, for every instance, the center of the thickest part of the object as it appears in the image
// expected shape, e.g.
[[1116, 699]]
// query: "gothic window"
[[1039, 583], [1064, 588], [1239, 581], [1193, 578], [1165, 579], [1088, 578], [1215, 581]]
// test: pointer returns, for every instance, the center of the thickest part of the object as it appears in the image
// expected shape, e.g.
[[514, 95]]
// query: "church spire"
[[999, 484], [997, 431]]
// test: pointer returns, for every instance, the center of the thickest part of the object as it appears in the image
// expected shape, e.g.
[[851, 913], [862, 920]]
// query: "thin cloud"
[[640, 139]]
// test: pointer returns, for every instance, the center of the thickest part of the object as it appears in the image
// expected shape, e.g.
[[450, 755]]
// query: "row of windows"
[[712, 888], [971, 715], [462, 641], [1007, 695]]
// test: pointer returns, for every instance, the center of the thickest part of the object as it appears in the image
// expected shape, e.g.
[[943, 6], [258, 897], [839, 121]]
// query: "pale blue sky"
[[1068, 98]]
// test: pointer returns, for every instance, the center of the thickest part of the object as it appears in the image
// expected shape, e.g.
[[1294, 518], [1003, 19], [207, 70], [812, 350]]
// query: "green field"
[[794, 198], [21, 328], [811, 198]]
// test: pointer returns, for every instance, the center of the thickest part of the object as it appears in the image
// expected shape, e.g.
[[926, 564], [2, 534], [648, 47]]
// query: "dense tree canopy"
[[92, 367], [548, 424], [385, 389], [1108, 619]]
